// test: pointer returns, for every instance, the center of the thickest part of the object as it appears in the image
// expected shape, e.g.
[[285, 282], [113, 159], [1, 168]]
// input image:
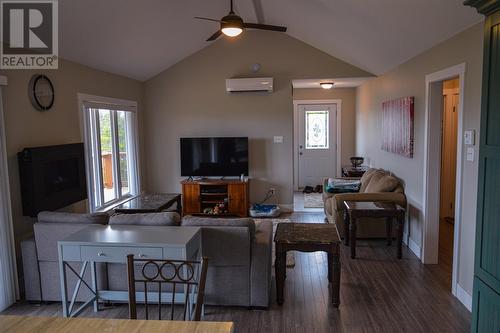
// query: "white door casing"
[[432, 168]]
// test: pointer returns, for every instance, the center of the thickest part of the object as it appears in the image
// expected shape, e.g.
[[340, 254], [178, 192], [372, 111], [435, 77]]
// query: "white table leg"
[[94, 285], [64, 288]]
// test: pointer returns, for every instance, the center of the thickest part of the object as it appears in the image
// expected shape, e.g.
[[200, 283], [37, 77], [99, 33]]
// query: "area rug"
[[313, 200], [290, 255]]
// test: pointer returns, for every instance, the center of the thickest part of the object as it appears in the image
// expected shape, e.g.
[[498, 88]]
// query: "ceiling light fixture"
[[326, 85], [231, 25], [232, 31]]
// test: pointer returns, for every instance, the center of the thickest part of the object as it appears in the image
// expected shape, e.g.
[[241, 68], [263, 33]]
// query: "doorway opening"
[[443, 165], [449, 135], [317, 126]]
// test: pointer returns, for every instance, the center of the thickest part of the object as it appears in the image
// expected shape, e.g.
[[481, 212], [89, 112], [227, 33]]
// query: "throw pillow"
[[381, 182]]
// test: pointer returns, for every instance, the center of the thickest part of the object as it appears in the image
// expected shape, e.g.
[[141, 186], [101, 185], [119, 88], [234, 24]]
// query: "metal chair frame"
[[183, 272]]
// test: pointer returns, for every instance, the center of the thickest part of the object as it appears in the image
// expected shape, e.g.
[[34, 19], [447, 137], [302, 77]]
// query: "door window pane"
[[106, 154], [123, 135], [317, 129]]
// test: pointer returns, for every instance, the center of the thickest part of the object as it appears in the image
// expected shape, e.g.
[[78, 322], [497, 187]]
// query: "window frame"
[[327, 130], [89, 105]]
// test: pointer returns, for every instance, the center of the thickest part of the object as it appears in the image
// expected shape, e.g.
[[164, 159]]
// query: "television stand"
[[200, 197]]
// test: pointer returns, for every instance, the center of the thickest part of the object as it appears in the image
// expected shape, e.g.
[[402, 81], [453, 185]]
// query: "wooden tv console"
[[200, 194]]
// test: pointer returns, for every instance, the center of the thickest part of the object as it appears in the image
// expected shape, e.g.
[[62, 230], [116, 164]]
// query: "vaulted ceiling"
[[139, 39]]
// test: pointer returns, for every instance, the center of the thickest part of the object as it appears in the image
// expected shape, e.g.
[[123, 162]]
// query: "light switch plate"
[[469, 137], [278, 139], [470, 154]]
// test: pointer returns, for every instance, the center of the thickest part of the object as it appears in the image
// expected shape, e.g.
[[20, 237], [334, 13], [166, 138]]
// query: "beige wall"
[[189, 99], [409, 80], [348, 98], [27, 127]]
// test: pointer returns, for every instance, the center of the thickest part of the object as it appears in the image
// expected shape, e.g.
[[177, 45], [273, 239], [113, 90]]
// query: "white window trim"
[[86, 100]]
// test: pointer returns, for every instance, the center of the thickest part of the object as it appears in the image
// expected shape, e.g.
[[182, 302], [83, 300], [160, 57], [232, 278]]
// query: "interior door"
[[317, 150], [449, 156]]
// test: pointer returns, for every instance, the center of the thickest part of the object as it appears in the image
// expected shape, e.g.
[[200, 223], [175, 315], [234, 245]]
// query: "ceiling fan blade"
[[214, 36], [207, 19], [264, 27]]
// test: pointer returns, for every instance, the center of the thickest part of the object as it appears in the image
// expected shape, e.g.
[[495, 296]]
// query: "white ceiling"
[[139, 39]]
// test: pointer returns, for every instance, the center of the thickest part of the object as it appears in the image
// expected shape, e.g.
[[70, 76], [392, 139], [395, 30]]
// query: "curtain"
[[8, 281]]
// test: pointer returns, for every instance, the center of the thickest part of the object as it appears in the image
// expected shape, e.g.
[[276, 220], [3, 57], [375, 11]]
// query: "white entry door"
[[317, 149]]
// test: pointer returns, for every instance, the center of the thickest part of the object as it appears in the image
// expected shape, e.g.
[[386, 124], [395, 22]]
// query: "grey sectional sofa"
[[239, 271]]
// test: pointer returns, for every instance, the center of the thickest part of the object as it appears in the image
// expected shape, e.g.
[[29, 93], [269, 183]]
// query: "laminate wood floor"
[[378, 294]]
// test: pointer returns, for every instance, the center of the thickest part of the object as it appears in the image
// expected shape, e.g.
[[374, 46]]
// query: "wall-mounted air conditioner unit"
[[250, 84]]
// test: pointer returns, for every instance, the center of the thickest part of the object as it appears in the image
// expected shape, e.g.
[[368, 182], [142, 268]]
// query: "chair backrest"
[[161, 280]]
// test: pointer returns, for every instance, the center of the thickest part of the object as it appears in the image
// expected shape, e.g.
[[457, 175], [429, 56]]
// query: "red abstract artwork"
[[397, 126]]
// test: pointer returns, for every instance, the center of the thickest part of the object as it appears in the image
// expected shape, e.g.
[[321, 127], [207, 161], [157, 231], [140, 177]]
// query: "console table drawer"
[[119, 254]]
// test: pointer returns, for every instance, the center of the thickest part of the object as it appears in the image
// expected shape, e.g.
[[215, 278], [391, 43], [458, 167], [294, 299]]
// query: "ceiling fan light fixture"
[[326, 85], [232, 31]]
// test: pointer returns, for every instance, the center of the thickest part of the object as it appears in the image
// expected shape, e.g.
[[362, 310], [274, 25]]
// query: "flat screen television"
[[52, 177], [217, 156]]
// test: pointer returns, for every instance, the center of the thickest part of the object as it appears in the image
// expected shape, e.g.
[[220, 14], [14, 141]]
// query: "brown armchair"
[[376, 185]]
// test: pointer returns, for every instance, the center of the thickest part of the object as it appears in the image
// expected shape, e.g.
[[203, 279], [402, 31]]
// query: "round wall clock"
[[41, 92]]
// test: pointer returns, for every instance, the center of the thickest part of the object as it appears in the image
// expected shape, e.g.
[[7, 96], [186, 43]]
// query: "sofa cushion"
[[365, 179], [151, 219], [196, 221], [61, 217], [381, 182]]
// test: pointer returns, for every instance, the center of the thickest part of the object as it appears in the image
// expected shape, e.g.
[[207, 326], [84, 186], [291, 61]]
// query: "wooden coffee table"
[[354, 210], [308, 237]]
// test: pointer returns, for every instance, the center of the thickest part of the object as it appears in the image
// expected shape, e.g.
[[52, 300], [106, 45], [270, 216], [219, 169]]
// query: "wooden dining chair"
[[190, 276]]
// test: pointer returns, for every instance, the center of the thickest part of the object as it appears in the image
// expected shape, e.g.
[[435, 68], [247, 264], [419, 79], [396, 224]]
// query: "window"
[[317, 130], [111, 154]]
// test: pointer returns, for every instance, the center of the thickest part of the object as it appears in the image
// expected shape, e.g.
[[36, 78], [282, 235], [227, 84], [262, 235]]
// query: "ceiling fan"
[[232, 25]]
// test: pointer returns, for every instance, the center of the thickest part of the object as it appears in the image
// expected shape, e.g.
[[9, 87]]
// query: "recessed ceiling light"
[[326, 85]]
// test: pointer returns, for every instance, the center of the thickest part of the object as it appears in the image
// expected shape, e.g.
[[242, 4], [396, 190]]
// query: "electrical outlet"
[[273, 190]]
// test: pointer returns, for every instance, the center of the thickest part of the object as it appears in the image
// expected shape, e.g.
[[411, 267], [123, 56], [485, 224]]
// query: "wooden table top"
[[372, 206], [22, 324], [306, 233], [152, 202]]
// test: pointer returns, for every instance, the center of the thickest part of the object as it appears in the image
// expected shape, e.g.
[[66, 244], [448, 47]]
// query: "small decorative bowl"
[[356, 161]]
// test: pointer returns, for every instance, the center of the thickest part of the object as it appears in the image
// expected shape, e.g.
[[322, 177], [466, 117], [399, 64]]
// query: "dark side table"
[[308, 237], [354, 172], [389, 211]]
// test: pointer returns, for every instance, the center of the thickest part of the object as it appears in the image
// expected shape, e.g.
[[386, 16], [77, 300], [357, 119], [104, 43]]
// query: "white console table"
[[112, 244]]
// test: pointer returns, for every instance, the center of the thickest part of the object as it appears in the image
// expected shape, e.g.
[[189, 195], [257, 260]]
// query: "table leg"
[[336, 269], [93, 272], [179, 205], [346, 227], [280, 270], [388, 226], [330, 266], [400, 228], [64, 288], [352, 230]]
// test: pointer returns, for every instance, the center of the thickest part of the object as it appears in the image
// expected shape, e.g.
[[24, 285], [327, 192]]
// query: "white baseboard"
[[286, 208], [405, 238], [414, 248], [464, 297]]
